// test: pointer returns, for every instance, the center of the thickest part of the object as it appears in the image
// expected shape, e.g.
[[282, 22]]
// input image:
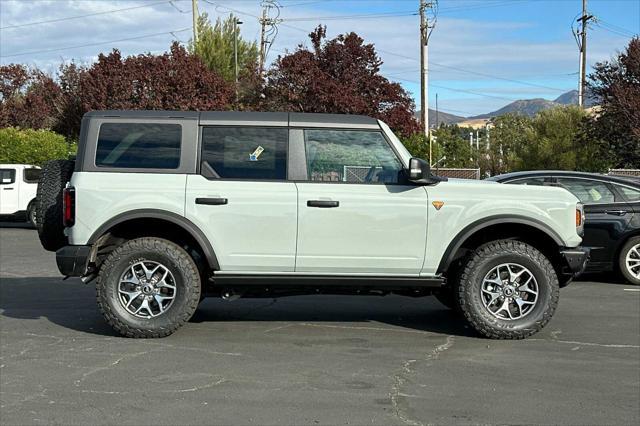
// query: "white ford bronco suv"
[[164, 208]]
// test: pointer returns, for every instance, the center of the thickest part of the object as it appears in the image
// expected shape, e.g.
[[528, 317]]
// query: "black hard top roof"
[[535, 173], [294, 119]]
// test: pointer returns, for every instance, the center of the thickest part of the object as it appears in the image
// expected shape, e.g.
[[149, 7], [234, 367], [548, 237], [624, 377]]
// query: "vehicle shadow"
[[16, 224], [72, 305]]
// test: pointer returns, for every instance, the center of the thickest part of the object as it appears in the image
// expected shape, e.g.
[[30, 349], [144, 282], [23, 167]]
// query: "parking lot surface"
[[307, 360]]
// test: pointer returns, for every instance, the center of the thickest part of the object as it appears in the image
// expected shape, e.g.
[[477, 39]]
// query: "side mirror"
[[419, 170]]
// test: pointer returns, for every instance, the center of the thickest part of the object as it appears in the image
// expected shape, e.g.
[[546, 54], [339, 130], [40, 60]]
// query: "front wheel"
[[148, 287], [508, 290], [629, 262]]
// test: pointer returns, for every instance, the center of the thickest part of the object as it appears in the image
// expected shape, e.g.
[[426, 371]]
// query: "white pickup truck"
[[18, 186]]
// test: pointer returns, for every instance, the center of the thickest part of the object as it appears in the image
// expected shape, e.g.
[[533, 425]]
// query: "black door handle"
[[616, 212], [8, 189], [323, 204], [212, 201]]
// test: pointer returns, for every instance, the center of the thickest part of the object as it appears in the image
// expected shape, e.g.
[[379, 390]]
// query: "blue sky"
[[483, 53]]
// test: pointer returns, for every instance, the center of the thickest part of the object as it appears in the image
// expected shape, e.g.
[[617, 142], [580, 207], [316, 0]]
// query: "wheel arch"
[[499, 227], [148, 220]]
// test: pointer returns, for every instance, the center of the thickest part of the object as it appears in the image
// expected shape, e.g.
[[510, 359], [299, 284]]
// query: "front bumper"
[[575, 260], [72, 260]]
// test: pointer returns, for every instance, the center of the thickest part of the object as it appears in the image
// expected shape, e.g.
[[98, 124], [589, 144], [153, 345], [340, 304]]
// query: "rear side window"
[[529, 181], [31, 175], [254, 153], [7, 176], [630, 194], [139, 145]]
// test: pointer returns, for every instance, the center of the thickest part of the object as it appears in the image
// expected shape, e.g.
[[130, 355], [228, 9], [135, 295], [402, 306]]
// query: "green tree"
[[28, 146], [215, 48]]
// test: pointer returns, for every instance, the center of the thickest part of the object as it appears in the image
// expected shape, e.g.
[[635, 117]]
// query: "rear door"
[[9, 190], [356, 215], [242, 200], [607, 216]]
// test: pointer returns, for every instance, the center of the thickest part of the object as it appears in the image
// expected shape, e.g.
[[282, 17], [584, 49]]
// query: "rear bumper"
[[575, 260], [72, 260]]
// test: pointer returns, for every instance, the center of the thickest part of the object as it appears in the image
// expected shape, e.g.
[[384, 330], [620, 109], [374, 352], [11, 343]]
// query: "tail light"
[[69, 206]]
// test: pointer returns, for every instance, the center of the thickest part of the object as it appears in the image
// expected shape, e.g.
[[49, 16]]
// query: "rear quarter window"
[[31, 175], [139, 145]]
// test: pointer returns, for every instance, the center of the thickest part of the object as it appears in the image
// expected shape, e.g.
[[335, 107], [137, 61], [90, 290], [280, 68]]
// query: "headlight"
[[580, 219]]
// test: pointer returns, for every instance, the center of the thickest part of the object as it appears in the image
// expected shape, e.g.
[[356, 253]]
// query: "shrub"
[[28, 146]]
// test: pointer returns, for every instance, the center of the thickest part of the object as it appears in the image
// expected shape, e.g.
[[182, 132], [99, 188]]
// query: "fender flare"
[[174, 218], [480, 224]]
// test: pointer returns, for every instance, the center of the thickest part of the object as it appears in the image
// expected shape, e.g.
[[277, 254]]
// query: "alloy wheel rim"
[[147, 289], [509, 291], [632, 261]]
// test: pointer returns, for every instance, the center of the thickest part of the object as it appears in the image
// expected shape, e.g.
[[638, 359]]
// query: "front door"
[[357, 215], [242, 201], [9, 191]]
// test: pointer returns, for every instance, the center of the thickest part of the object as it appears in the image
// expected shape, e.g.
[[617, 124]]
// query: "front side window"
[[7, 176], [139, 145], [31, 175], [355, 156], [254, 153], [588, 191]]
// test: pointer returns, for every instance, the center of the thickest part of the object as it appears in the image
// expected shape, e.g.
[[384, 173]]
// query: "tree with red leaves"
[[28, 98], [341, 75], [616, 84], [175, 80]]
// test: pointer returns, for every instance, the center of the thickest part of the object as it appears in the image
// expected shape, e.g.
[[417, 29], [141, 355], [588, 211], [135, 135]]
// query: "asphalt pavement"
[[307, 360]]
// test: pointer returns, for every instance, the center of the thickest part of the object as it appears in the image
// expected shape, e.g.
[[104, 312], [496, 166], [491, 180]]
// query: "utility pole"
[[437, 118], [426, 26], [194, 13], [263, 24], [236, 22], [268, 28], [581, 39]]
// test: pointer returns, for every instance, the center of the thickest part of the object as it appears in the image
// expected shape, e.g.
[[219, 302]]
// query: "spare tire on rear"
[[54, 178]]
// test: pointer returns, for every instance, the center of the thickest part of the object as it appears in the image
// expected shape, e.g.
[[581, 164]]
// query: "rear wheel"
[[31, 214], [508, 290], [148, 287], [629, 261]]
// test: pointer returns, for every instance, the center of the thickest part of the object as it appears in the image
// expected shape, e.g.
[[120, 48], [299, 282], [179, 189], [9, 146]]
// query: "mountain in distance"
[[571, 98], [443, 117], [531, 107], [527, 107]]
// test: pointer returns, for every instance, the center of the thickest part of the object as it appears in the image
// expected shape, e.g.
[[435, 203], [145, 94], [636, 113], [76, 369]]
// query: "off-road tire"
[[187, 280], [480, 263], [622, 266], [54, 177]]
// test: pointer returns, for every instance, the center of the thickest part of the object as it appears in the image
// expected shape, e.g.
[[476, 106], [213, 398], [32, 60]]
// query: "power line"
[[476, 72], [68, 18], [33, 52], [349, 17]]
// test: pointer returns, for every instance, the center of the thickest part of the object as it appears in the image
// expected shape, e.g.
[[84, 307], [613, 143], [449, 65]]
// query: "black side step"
[[225, 280]]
